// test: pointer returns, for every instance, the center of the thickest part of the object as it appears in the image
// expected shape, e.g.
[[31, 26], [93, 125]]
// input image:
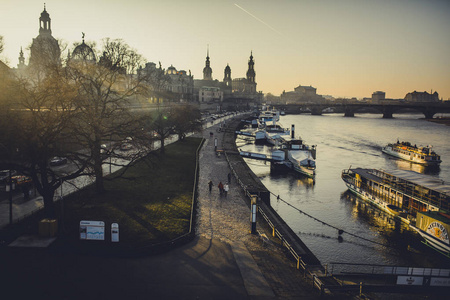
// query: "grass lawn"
[[151, 203]]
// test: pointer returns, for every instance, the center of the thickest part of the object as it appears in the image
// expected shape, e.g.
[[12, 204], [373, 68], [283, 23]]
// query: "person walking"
[[210, 183], [220, 188], [226, 188], [229, 178]]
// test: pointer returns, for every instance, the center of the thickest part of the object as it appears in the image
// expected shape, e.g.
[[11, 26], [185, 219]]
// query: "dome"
[[83, 52], [171, 70]]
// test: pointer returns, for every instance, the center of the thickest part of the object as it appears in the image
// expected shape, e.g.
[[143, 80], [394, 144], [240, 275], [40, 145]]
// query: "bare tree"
[[35, 128], [185, 119], [105, 90]]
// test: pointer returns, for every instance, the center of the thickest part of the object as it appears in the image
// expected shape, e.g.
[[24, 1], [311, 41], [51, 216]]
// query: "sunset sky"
[[345, 48]]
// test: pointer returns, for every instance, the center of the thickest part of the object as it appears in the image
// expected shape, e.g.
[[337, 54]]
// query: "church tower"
[[45, 23], [227, 78], [207, 71], [44, 50], [21, 64], [251, 71]]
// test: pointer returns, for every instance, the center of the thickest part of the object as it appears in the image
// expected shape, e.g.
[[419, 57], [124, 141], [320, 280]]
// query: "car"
[[58, 161], [103, 149], [4, 175]]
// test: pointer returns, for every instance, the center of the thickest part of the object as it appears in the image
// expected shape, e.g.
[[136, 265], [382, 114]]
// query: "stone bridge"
[[429, 109]]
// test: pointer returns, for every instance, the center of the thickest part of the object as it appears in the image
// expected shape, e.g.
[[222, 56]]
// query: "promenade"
[[224, 261]]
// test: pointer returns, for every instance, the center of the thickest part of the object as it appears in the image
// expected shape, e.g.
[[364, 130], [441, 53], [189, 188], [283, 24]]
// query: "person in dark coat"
[[210, 183], [220, 188]]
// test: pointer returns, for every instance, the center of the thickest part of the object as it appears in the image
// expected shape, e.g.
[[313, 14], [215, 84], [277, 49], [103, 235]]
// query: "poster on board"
[[92, 230]]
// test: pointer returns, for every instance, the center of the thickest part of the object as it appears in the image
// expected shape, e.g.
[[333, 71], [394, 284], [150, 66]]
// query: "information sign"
[[114, 232], [92, 230]]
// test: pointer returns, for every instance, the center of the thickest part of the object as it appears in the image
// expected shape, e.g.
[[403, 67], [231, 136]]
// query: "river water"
[[344, 142]]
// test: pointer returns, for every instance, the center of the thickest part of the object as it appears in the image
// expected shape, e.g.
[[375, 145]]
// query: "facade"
[[180, 83], [210, 94], [422, 97], [378, 95], [301, 94]]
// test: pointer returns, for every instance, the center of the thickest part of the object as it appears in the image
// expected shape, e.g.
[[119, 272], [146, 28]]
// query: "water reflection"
[[410, 166]]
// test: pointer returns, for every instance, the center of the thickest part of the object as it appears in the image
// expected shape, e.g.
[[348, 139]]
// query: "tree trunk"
[[162, 150], [99, 182], [49, 205]]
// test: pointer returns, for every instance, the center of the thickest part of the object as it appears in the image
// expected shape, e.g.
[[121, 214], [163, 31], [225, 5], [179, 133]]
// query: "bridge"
[[429, 109]]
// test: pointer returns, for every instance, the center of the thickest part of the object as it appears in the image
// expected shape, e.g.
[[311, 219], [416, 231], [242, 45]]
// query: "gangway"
[[245, 133], [274, 157]]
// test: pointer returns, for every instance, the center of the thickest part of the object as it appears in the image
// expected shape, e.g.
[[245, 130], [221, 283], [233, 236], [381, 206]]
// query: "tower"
[[45, 23], [44, 50], [21, 64], [207, 71], [251, 71], [227, 77]]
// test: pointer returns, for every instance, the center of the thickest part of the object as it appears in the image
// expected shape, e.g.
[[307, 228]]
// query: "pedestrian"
[[229, 178], [220, 188], [210, 183], [226, 188]]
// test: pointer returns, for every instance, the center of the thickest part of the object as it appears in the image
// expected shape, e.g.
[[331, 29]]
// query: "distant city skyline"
[[344, 48]]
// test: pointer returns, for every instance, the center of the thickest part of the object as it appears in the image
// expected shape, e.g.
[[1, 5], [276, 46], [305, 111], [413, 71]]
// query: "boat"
[[294, 154], [421, 201], [291, 154], [434, 228], [405, 150], [271, 133]]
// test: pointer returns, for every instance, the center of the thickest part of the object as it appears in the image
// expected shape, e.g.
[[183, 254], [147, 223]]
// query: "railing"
[[369, 269], [301, 265]]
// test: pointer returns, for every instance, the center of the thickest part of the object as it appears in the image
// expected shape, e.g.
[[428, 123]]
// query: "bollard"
[[253, 214]]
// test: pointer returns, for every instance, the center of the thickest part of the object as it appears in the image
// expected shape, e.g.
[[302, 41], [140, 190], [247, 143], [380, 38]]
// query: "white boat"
[[421, 155], [302, 162], [271, 133]]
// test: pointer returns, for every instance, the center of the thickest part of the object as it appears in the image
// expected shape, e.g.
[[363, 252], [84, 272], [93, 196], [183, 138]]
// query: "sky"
[[345, 48]]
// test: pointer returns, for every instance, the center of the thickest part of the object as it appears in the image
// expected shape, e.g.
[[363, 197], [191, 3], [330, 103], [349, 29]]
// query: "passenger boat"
[[421, 155], [413, 198], [434, 228]]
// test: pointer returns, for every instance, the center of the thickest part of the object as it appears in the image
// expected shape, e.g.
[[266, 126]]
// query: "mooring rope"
[[340, 231]]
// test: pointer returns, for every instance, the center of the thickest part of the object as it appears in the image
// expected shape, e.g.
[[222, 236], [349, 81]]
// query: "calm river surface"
[[343, 142]]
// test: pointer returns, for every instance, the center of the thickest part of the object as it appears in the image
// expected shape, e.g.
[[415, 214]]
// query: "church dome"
[[83, 52], [171, 70]]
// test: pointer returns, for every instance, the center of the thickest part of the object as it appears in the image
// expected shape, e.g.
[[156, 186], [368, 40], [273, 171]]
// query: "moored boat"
[[415, 199], [405, 150], [434, 228]]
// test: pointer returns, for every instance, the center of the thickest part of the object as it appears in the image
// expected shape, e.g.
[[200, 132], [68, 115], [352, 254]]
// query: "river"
[[344, 142]]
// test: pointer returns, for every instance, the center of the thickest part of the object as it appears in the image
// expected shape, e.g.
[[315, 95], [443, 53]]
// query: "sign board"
[[114, 232], [409, 280], [92, 230], [440, 281]]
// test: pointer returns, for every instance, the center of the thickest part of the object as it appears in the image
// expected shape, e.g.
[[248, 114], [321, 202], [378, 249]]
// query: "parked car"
[[58, 161], [4, 175]]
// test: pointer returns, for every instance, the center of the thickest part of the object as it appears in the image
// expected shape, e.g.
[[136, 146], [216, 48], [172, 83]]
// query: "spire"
[[207, 71], [251, 71], [45, 22], [82, 36], [21, 59]]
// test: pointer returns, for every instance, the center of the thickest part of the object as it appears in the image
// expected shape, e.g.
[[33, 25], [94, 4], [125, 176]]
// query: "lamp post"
[[10, 198]]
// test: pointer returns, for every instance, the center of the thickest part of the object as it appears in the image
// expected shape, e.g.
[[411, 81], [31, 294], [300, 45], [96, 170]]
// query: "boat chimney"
[[292, 131]]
